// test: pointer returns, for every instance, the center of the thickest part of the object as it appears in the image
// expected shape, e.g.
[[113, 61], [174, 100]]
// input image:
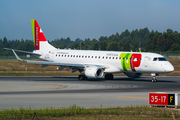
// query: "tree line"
[[126, 41]]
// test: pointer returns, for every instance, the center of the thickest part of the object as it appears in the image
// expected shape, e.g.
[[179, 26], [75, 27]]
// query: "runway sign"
[[163, 99]]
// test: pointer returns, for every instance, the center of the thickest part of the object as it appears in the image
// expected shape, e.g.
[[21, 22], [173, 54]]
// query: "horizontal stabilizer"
[[22, 51]]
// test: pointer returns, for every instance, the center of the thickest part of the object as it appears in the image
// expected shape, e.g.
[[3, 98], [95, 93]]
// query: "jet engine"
[[94, 72], [132, 74]]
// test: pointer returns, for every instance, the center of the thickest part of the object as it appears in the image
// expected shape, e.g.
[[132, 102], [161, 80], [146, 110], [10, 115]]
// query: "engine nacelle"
[[94, 72], [132, 74]]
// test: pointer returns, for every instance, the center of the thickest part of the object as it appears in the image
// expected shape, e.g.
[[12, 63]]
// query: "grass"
[[75, 112], [13, 67]]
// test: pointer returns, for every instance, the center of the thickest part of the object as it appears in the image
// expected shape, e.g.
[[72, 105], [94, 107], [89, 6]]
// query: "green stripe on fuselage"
[[122, 56], [33, 29], [125, 61]]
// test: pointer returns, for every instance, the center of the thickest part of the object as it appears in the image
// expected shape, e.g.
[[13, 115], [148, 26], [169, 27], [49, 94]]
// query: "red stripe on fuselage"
[[135, 63]]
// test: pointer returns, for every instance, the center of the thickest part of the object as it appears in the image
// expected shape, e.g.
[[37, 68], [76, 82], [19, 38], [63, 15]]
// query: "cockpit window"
[[159, 59], [155, 59], [162, 59]]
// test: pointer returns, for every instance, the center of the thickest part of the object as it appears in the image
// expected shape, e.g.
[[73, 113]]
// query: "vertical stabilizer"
[[40, 42]]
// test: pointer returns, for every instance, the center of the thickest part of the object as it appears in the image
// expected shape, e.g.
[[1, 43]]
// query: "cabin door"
[[146, 61]]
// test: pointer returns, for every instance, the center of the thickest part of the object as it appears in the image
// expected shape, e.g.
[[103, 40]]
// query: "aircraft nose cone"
[[170, 68]]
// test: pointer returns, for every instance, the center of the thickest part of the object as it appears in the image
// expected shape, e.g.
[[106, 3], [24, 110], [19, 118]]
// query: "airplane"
[[95, 64]]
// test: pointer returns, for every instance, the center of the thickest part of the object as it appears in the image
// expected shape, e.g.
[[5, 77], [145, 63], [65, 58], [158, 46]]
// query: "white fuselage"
[[113, 61]]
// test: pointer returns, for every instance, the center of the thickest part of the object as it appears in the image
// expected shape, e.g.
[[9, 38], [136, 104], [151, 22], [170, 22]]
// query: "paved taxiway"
[[50, 91]]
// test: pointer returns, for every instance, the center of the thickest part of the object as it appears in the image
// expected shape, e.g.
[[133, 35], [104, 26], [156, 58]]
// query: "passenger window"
[[85, 56], [62, 55], [92, 56], [106, 57], [82, 56], [88, 56], [120, 58], [109, 57], [68, 55], [95, 56], [103, 57], [113, 58], [116, 57], [76, 55], [99, 57]]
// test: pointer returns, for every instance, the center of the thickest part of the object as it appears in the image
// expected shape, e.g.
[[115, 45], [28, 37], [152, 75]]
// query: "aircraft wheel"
[[82, 77], [109, 76], [154, 79], [85, 78], [106, 77]]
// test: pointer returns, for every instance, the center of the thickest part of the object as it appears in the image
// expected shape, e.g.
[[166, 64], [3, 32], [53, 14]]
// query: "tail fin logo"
[[38, 35], [36, 40]]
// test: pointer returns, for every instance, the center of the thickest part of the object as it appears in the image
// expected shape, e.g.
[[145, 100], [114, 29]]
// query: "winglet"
[[17, 57]]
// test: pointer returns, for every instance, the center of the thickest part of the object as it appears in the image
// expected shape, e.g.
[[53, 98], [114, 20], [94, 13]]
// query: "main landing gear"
[[109, 76], [154, 79], [82, 77]]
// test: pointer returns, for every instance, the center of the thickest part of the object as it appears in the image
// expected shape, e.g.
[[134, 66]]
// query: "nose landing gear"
[[154, 79]]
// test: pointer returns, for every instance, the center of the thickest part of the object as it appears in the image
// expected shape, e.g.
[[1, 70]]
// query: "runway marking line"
[[31, 86], [56, 97]]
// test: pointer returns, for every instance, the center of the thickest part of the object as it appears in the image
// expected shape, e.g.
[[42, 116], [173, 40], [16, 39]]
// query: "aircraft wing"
[[46, 63]]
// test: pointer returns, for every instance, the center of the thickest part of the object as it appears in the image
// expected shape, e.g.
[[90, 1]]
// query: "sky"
[[86, 18]]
